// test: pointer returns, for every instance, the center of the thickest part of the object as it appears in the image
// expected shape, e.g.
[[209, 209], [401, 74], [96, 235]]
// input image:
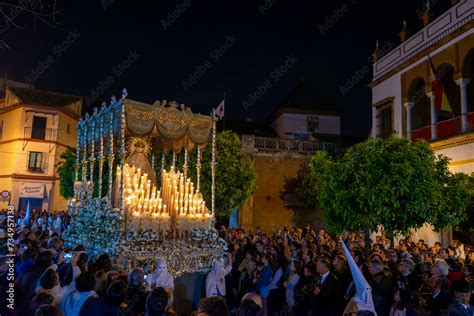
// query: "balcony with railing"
[[447, 23], [253, 144], [444, 129], [49, 134]]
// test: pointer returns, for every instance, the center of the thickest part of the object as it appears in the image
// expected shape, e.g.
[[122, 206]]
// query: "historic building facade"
[[299, 130], [35, 128], [404, 99]]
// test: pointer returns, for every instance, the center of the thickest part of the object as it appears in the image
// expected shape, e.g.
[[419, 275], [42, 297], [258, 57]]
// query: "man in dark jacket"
[[29, 280], [407, 280], [382, 288], [462, 295], [326, 298], [137, 293], [438, 301]]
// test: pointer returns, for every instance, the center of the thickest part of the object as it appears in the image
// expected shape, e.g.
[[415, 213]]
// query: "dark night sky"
[[168, 57]]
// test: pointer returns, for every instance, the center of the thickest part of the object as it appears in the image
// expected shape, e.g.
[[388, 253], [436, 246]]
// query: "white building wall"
[[289, 123], [386, 89]]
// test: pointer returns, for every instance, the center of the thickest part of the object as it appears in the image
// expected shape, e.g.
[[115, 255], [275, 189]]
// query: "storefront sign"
[[32, 190]]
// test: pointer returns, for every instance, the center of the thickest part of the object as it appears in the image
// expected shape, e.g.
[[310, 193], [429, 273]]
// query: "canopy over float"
[[147, 212]]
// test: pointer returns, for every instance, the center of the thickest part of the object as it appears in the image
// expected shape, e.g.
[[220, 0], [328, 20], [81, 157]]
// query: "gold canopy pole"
[[122, 157], [213, 163], [101, 151], [111, 154], [198, 169], [84, 157], [78, 156], [185, 166], [92, 156]]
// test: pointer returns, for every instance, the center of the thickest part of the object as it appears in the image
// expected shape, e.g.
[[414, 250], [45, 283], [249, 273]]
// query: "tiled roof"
[[43, 98]]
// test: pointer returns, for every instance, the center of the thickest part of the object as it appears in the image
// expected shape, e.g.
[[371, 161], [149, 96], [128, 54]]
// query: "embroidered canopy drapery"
[[170, 126]]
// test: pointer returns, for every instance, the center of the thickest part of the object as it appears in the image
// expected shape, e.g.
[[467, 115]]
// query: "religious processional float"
[[139, 213]]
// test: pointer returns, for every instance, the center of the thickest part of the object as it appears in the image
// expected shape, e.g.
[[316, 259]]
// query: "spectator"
[[462, 296], [48, 310], [407, 279], [214, 306], [326, 298], [438, 300], [72, 303], [137, 292], [382, 288], [266, 274], [110, 305], [157, 303], [251, 305], [291, 282]]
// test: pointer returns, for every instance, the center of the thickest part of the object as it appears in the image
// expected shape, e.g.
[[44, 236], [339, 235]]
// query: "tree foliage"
[[66, 168], [390, 182], [235, 176]]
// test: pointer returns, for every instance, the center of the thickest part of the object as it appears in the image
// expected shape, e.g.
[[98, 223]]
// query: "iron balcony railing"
[[41, 133]]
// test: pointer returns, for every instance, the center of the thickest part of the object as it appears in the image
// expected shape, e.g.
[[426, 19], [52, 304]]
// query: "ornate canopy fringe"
[[174, 126]]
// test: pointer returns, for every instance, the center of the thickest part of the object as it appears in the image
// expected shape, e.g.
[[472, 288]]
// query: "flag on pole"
[[28, 214], [441, 99], [220, 109], [362, 299]]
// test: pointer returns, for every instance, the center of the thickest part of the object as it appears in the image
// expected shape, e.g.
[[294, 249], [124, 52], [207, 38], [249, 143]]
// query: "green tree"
[[390, 182], [466, 227], [66, 171], [66, 168], [234, 172]]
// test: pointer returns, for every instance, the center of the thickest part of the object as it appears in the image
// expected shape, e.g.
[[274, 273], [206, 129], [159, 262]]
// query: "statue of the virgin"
[[139, 148]]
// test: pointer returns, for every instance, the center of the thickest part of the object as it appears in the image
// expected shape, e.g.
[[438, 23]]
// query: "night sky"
[[195, 51]]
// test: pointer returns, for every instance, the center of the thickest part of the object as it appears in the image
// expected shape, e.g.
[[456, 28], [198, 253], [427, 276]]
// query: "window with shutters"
[[385, 121], [35, 161]]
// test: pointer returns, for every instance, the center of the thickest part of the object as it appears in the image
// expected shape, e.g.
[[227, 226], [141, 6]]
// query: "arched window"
[[468, 72], [445, 73], [421, 116]]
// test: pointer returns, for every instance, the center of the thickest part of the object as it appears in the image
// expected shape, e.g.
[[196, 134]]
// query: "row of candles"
[[177, 199]]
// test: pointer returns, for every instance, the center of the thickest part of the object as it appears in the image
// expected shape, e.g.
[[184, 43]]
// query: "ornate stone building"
[[403, 97], [403, 101], [35, 128], [296, 130]]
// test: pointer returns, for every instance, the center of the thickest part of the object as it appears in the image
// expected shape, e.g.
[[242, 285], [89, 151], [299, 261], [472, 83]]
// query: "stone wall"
[[266, 208]]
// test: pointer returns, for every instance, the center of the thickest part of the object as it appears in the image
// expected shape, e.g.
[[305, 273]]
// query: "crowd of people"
[[289, 272]]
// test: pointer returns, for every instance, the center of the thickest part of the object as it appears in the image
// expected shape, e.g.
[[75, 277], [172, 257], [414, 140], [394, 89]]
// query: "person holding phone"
[[49, 281]]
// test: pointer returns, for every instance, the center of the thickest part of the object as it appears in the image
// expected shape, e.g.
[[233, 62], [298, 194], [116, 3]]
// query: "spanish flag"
[[441, 100]]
